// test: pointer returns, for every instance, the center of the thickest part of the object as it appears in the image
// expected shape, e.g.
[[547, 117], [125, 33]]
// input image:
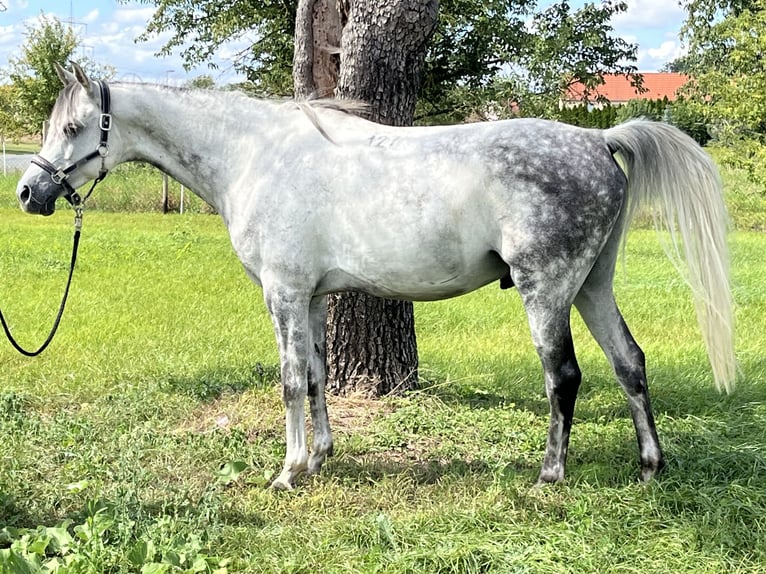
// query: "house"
[[618, 89]]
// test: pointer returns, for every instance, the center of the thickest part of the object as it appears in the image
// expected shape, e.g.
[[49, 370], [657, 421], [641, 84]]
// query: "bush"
[[651, 109], [689, 119], [602, 118]]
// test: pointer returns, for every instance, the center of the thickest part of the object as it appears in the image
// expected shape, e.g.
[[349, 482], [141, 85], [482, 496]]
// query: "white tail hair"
[[671, 173]]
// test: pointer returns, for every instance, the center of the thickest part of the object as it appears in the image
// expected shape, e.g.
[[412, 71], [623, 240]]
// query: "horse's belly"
[[429, 282]]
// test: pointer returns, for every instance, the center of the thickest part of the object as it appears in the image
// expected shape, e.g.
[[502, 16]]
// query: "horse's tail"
[[669, 171]]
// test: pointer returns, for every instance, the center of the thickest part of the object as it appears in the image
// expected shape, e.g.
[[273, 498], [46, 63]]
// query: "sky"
[[108, 30]]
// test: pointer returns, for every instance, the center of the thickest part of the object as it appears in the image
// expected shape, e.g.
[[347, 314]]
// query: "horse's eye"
[[70, 130]]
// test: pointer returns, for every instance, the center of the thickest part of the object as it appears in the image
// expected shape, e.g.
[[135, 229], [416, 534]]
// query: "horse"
[[318, 200]]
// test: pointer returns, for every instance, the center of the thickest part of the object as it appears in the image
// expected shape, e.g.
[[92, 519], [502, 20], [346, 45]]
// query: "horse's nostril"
[[25, 194]]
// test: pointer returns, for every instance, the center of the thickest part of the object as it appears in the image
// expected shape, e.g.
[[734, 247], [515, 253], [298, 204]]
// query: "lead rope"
[[78, 205]]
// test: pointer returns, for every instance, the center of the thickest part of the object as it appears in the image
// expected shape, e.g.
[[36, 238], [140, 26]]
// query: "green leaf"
[[155, 568], [172, 558], [14, 563], [230, 471], [38, 545], [141, 553], [263, 479], [61, 540], [78, 486]]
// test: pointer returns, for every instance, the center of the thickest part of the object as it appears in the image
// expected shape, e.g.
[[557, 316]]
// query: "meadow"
[[143, 439]]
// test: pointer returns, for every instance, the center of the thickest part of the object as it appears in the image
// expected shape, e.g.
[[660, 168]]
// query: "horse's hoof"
[[650, 471], [549, 477], [315, 465], [281, 485]]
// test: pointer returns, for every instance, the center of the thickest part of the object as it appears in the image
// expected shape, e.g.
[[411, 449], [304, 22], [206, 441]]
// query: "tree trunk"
[[383, 50], [371, 345], [317, 48]]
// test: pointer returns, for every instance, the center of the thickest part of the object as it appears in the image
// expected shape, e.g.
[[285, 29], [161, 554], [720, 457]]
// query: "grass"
[[142, 440], [21, 147]]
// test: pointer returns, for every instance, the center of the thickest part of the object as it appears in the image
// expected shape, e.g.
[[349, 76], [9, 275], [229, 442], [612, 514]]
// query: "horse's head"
[[75, 150]]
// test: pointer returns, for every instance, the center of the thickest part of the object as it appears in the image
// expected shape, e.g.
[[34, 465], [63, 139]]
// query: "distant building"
[[618, 90]]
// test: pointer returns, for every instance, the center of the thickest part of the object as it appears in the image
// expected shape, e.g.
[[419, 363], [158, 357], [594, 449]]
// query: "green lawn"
[[21, 147], [122, 445]]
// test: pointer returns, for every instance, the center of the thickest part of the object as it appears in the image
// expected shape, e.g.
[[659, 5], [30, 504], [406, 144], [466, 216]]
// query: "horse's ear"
[[64, 75], [81, 76]]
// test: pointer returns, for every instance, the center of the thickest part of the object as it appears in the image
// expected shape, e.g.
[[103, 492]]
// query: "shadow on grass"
[[13, 515], [373, 469], [600, 394]]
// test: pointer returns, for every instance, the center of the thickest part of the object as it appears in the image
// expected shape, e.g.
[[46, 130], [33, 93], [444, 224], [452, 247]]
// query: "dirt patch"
[[259, 413]]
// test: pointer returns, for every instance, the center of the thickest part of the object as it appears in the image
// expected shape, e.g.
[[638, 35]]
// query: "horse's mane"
[[63, 109], [349, 107]]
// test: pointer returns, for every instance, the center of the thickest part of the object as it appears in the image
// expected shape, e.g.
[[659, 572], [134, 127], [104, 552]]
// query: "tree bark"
[[316, 59], [371, 344], [383, 50]]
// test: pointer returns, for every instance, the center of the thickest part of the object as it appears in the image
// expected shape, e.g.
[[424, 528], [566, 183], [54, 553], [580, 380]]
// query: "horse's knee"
[[293, 393], [569, 373]]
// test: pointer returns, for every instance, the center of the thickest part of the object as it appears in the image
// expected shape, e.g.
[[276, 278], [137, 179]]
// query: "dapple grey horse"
[[317, 200]]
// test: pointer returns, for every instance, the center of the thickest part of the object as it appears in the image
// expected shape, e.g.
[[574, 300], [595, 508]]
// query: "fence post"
[[165, 199]]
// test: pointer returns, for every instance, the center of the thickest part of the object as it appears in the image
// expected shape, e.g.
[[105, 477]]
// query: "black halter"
[[60, 176]]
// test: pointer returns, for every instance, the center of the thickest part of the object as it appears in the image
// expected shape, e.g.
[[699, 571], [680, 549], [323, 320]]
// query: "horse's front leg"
[[317, 375], [289, 313]]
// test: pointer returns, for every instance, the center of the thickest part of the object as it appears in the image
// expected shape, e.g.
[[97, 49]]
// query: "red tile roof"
[[617, 89]]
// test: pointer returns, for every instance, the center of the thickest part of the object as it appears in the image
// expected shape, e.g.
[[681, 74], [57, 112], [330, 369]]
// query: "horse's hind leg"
[[597, 306], [552, 337], [317, 376]]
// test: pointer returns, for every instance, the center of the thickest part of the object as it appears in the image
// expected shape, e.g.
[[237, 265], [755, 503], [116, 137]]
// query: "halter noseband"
[[60, 176]]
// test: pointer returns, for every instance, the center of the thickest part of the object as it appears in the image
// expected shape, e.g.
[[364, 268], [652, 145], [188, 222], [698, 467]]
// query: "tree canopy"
[[34, 82], [482, 50], [32, 74], [727, 45]]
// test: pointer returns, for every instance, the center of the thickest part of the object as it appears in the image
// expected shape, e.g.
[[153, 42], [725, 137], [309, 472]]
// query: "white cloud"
[[110, 27], [668, 50], [652, 58], [648, 14], [18, 5], [130, 15], [8, 35], [91, 17]]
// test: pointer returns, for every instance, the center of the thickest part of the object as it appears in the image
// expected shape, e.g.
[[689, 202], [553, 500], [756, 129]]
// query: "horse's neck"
[[192, 136]]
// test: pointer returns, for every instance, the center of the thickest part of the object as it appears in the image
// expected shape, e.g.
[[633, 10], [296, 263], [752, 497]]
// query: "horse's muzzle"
[[31, 205]]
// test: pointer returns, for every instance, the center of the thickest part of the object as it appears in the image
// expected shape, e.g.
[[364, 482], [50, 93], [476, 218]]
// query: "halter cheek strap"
[[60, 176]]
